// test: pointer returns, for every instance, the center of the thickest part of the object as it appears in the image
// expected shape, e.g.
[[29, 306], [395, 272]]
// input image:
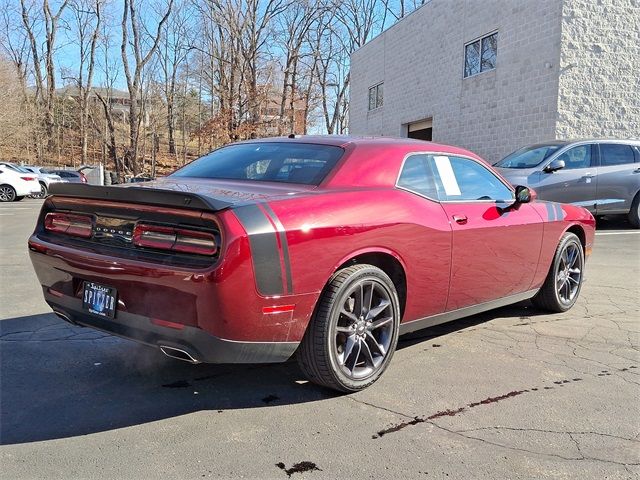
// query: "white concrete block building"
[[494, 75]]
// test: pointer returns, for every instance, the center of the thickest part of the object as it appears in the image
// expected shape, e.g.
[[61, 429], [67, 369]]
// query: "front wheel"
[[354, 330], [634, 213], [7, 193], [563, 283]]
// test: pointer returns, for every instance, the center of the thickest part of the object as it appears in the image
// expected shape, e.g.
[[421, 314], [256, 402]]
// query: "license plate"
[[99, 300]]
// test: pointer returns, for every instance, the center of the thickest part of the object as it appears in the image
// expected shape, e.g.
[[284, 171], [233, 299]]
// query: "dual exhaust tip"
[[178, 354], [173, 352]]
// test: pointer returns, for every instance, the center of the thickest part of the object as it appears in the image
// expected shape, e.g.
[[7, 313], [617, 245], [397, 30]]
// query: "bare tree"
[[172, 56], [296, 24], [45, 84], [133, 75], [87, 20]]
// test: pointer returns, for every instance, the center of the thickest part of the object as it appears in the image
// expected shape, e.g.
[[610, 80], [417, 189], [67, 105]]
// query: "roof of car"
[[343, 140], [584, 140]]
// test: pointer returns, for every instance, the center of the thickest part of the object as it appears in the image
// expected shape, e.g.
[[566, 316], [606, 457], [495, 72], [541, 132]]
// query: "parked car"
[[14, 185], [70, 176], [326, 246], [601, 175], [139, 179], [44, 178]]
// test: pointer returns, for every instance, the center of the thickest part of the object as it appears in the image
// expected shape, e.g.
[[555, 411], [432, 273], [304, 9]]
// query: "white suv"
[[14, 186]]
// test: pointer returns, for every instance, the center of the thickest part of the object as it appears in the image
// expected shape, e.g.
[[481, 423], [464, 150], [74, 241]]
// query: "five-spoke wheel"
[[564, 281], [354, 330], [364, 329]]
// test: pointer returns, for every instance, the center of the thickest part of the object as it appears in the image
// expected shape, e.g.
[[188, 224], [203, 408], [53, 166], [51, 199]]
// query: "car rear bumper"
[[200, 346], [25, 188]]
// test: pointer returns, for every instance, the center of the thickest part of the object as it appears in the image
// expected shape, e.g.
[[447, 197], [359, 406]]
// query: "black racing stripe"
[[285, 246], [551, 212], [264, 249]]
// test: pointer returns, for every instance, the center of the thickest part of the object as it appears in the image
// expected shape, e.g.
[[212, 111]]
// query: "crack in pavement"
[[582, 457]]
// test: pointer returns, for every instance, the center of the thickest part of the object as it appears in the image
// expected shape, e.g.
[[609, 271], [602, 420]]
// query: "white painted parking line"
[[619, 233]]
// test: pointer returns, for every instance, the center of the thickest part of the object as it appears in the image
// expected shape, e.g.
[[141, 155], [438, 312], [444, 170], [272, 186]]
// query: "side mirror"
[[524, 194], [554, 166]]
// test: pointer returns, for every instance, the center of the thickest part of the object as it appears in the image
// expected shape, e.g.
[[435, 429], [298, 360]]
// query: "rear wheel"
[[43, 192], [7, 193], [634, 213], [561, 288], [354, 331]]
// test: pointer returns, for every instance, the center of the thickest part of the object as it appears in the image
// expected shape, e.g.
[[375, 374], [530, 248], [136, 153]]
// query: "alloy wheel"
[[364, 329], [7, 193], [569, 273]]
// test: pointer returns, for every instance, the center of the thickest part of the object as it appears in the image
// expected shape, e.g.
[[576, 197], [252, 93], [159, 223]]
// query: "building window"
[[375, 96], [480, 56]]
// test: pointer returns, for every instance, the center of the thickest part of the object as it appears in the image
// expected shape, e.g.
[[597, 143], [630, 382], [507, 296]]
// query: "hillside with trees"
[[145, 86]]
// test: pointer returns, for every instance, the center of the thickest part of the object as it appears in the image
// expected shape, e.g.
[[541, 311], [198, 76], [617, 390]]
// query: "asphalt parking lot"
[[514, 393]]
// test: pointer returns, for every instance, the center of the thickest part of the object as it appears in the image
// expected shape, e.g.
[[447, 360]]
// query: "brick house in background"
[[494, 75]]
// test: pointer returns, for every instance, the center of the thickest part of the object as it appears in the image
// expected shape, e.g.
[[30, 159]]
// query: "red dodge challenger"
[[323, 247]]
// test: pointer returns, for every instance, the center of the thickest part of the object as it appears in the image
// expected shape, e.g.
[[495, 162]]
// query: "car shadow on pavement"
[[520, 313], [613, 222], [58, 380]]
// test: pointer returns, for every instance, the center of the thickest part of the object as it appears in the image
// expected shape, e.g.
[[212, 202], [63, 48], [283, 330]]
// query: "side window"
[[615, 154], [577, 157], [462, 179], [417, 176]]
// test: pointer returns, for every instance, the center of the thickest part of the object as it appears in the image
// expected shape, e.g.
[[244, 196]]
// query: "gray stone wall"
[[421, 60], [599, 86], [565, 69]]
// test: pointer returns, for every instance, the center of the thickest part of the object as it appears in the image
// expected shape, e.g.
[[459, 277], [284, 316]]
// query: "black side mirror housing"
[[554, 166], [523, 194]]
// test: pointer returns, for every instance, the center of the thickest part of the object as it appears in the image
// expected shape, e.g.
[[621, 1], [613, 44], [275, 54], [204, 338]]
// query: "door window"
[[577, 157], [447, 178], [463, 179], [615, 154]]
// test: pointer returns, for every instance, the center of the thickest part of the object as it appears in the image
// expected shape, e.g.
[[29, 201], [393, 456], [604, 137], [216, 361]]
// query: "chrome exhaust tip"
[[178, 354], [65, 317]]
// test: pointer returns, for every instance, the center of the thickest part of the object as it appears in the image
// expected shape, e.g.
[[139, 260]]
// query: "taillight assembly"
[[28, 179], [69, 224], [83, 178], [174, 239]]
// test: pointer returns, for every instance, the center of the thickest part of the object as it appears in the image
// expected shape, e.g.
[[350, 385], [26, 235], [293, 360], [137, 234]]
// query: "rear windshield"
[[528, 157], [266, 162]]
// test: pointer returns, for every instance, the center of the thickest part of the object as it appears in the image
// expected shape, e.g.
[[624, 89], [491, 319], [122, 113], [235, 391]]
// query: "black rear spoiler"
[[144, 195]]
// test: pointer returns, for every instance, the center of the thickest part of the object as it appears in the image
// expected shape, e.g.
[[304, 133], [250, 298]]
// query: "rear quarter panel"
[[325, 231]]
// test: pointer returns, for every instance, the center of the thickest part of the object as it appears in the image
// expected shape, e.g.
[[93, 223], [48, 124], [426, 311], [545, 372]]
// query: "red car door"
[[495, 251]]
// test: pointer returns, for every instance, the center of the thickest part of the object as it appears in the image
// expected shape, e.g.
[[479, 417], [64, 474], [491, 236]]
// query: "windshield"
[[528, 157], [266, 162]]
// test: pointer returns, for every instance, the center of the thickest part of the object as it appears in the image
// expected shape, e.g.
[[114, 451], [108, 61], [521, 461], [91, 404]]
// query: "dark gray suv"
[[600, 175]]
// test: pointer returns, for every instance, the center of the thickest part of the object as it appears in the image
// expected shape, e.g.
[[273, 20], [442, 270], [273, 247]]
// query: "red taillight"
[[83, 178], [174, 239], [69, 224], [28, 179]]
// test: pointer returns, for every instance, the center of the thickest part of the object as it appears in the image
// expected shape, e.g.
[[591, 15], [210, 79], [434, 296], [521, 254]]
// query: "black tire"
[[17, 199], [7, 193], [561, 298], [634, 213], [373, 330], [43, 191]]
